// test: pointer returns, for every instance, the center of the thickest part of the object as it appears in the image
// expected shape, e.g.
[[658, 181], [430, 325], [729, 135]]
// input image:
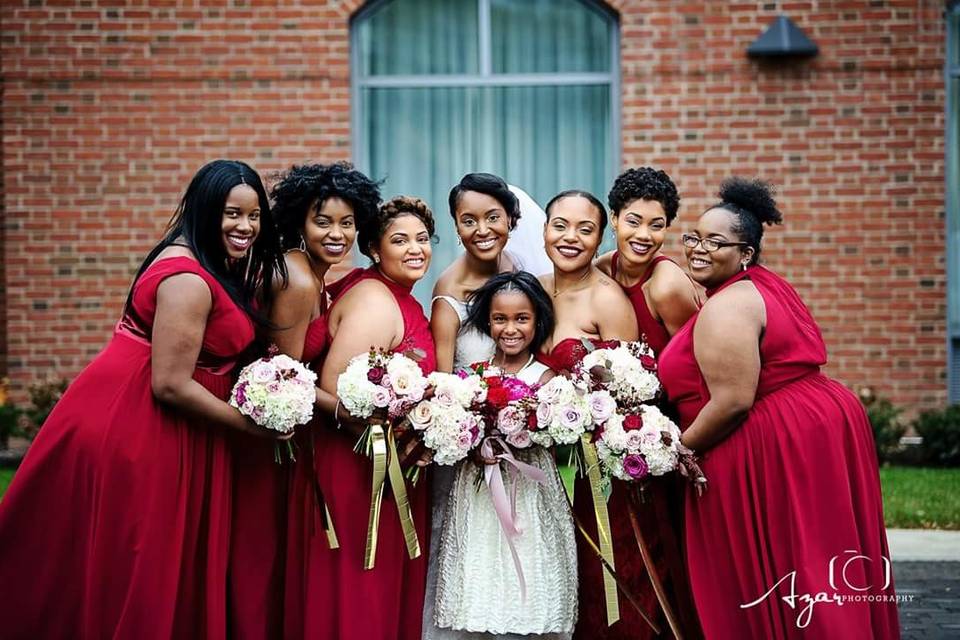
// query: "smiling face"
[[482, 224], [329, 230], [572, 233], [512, 322], [640, 227], [404, 250], [240, 223], [713, 269]]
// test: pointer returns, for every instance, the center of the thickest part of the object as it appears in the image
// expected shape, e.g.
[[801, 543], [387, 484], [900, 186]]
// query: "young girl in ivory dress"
[[479, 585]]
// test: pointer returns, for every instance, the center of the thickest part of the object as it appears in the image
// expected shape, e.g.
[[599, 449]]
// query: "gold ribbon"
[[378, 450], [386, 463], [332, 540], [400, 497], [604, 538]]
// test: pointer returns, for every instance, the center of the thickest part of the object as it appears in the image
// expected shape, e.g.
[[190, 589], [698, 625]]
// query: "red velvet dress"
[[339, 598], [795, 485], [117, 524]]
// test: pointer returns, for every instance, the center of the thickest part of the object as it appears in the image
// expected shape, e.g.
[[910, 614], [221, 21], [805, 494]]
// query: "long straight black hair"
[[197, 225]]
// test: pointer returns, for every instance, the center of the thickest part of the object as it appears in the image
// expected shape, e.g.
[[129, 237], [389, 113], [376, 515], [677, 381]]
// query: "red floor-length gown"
[[592, 612], [304, 516], [340, 599], [660, 518], [117, 523], [794, 486]]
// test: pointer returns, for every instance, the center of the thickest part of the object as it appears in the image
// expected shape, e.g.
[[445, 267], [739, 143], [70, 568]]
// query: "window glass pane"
[[544, 36], [953, 35], [541, 139], [953, 203], [421, 37]]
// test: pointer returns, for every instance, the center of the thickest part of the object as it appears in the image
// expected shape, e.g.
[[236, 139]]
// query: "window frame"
[[951, 74], [484, 78]]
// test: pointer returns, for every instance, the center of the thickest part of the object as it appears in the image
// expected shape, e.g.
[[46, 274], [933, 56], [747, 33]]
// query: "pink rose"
[[635, 466]]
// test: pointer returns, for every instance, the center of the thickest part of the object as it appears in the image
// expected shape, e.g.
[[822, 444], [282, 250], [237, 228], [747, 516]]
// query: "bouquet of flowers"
[[634, 438], [564, 413], [449, 419], [276, 392], [510, 409], [383, 387], [391, 382]]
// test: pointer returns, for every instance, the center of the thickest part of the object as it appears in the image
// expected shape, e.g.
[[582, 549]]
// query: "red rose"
[[632, 423], [498, 397], [493, 381], [375, 374], [649, 363], [532, 421]]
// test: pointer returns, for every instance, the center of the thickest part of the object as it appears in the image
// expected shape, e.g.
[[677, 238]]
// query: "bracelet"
[[336, 414]]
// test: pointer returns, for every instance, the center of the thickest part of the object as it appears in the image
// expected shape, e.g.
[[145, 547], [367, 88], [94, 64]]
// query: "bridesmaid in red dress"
[[316, 208], [793, 505], [117, 524], [373, 307], [588, 304], [643, 203]]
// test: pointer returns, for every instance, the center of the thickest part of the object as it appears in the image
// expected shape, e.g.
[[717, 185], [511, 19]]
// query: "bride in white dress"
[[473, 590]]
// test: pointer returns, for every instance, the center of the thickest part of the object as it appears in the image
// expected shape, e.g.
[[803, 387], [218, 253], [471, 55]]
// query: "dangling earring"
[[459, 242], [246, 270], [376, 259], [743, 266]]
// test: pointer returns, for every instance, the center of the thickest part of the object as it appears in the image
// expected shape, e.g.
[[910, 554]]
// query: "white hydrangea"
[[276, 392], [563, 412]]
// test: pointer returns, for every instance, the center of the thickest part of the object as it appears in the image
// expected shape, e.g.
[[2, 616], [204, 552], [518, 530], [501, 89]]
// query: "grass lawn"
[[6, 475], [921, 498], [913, 497]]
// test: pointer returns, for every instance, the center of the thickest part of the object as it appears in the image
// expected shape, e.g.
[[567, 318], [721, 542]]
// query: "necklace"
[[504, 369], [557, 292]]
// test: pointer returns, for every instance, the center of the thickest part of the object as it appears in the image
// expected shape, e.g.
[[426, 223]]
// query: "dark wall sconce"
[[782, 38]]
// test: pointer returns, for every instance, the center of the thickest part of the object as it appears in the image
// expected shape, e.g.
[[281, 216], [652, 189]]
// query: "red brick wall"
[[107, 111]]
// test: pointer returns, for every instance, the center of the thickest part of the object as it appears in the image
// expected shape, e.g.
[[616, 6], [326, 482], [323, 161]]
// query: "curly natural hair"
[[644, 183], [308, 186], [371, 230], [753, 205]]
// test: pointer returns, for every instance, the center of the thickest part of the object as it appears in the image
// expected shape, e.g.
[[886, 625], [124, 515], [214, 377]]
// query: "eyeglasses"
[[709, 244]]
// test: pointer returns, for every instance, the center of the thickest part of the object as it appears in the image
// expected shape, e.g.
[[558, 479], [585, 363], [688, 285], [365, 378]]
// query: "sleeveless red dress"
[[651, 329], [263, 495], [592, 612], [339, 599], [304, 516], [795, 485], [117, 524]]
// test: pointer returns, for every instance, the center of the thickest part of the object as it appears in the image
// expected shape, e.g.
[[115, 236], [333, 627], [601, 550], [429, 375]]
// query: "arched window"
[[526, 89]]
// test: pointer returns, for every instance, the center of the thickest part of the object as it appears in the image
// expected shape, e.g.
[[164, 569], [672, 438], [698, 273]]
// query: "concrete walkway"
[[924, 545]]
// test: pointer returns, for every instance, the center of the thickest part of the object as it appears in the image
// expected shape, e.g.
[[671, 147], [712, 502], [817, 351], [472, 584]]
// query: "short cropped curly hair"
[[648, 184], [371, 230]]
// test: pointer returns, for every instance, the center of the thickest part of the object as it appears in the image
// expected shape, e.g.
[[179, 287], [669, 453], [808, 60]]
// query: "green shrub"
[[43, 397], [887, 427], [940, 431]]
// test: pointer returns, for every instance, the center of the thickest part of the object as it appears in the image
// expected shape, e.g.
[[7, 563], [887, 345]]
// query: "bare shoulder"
[[606, 290], [669, 281], [367, 295], [547, 281], [448, 284], [739, 302], [184, 291], [299, 275], [605, 263]]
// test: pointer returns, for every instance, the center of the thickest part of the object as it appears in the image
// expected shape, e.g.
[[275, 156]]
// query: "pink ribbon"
[[507, 508]]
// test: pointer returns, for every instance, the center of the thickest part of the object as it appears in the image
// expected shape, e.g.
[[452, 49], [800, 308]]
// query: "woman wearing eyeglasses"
[[793, 506]]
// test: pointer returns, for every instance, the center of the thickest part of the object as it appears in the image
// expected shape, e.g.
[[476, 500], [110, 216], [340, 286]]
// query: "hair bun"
[[752, 196]]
